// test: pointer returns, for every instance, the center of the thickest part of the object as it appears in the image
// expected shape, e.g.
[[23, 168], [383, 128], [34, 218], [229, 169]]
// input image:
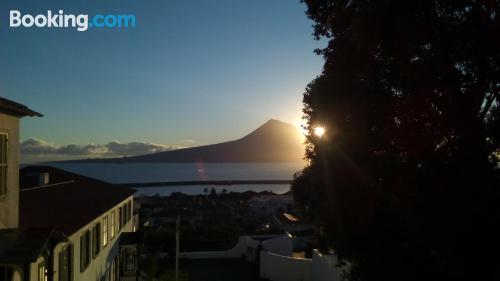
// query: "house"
[[60, 226], [92, 215], [10, 115]]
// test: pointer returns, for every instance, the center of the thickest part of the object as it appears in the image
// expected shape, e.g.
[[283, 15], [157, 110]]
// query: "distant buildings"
[[60, 226], [268, 205], [276, 259], [55, 225]]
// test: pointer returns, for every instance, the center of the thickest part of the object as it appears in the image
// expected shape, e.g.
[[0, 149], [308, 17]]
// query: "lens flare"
[[319, 131]]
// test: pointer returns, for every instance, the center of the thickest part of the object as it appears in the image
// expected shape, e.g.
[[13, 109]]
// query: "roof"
[[26, 245], [68, 203], [16, 109]]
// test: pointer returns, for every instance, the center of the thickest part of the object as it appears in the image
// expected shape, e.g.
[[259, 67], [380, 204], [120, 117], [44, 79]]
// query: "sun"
[[319, 131]]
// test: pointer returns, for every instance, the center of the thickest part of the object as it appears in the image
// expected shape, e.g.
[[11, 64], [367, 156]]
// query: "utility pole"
[[177, 237]]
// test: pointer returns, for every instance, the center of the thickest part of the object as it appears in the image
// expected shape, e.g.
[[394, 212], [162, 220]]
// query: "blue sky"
[[205, 71]]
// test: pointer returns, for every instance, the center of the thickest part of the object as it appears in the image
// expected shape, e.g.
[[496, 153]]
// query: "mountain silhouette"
[[275, 141]]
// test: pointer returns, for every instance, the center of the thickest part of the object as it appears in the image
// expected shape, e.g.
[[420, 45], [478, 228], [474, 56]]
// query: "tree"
[[213, 193], [405, 180]]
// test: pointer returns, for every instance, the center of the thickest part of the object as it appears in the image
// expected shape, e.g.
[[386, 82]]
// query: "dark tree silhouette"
[[405, 181], [213, 193]]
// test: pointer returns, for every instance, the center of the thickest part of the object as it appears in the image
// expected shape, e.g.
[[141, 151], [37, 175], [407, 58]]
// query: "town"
[[57, 225], [304, 140]]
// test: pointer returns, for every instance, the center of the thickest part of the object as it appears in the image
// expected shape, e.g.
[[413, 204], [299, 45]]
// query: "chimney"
[[43, 179]]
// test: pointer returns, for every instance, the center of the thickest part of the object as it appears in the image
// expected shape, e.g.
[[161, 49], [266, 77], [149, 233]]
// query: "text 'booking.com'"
[[80, 22]]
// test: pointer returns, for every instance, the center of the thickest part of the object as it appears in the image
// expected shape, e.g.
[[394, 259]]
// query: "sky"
[[190, 73]]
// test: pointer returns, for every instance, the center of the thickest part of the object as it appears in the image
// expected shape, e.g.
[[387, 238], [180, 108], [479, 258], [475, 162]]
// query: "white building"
[[59, 226], [267, 205], [274, 255], [91, 215]]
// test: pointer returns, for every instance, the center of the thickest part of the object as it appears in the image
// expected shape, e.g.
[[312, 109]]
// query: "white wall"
[[247, 246], [276, 261], [277, 267], [282, 268], [282, 245], [324, 268], [236, 252], [34, 269], [100, 265], [9, 204]]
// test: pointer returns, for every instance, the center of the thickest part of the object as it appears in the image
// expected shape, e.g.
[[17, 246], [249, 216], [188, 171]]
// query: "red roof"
[[68, 202]]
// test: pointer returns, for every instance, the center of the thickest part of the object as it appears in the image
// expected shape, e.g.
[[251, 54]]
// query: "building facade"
[[60, 226], [92, 252], [10, 115], [93, 216]]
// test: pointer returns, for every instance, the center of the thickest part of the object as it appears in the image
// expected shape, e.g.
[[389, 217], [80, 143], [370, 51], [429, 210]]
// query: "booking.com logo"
[[81, 22]]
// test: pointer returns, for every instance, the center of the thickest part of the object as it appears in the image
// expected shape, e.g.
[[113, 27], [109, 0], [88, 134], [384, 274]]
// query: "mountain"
[[275, 141]]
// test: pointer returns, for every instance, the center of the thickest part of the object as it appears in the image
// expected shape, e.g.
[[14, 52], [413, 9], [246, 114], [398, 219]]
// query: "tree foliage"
[[405, 181]]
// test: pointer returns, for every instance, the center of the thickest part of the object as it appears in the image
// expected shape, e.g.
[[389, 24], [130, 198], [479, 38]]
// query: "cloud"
[[136, 148], [39, 147]]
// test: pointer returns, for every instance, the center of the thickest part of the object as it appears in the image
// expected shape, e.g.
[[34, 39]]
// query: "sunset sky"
[[190, 73]]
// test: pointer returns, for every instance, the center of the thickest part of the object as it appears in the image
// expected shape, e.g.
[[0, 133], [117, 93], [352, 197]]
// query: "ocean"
[[163, 172]]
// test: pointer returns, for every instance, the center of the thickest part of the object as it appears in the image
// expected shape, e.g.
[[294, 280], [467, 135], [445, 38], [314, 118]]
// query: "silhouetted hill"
[[275, 141]]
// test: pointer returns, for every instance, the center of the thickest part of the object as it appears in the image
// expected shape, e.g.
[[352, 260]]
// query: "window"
[[125, 214], [3, 163], [105, 231], [96, 240], [128, 258], [120, 219], [129, 210], [113, 222], [42, 272], [84, 250], [114, 270], [65, 263]]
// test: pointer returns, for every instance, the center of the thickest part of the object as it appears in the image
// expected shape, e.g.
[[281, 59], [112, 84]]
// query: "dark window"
[[128, 261], [120, 218], [84, 250], [115, 269], [3, 163], [125, 215], [66, 264], [129, 211], [96, 240]]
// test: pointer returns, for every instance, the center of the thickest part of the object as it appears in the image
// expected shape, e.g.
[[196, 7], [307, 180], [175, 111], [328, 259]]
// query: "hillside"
[[275, 141]]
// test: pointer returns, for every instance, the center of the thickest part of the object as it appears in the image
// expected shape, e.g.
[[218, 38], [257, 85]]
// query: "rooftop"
[[68, 203], [16, 109]]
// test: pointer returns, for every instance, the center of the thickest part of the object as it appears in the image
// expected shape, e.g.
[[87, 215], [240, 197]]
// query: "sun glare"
[[319, 131], [301, 126]]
